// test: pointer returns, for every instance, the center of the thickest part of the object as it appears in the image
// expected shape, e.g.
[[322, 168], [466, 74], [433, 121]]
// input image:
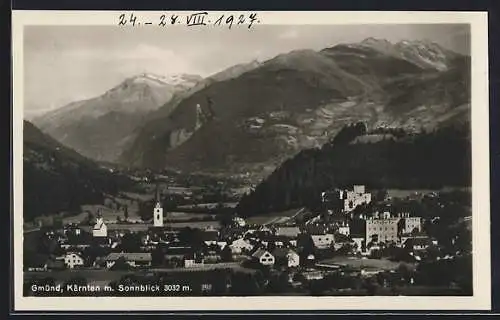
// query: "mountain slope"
[[301, 99], [99, 128], [57, 178], [155, 123]]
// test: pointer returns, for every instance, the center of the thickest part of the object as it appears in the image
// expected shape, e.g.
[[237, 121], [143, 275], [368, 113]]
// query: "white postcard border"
[[480, 190]]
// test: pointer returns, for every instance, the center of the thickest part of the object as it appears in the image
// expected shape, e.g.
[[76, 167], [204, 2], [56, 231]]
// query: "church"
[[158, 211], [100, 229]]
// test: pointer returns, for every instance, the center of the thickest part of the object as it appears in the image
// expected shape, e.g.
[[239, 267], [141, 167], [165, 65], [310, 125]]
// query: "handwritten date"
[[191, 20]]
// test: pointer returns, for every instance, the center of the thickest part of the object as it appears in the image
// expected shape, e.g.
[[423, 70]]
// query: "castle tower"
[[158, 210]]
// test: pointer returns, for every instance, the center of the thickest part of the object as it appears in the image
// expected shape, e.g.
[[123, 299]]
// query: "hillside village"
[[356, 242]]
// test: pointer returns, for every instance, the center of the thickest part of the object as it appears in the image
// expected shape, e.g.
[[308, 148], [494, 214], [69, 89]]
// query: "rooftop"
[[140, 256], [259, 253]]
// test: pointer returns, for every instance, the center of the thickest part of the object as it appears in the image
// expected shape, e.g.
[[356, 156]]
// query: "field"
[[207, 205], [183, 216], [359, 263], [195, 224], [138, 227], [275, 218], [400, 193]]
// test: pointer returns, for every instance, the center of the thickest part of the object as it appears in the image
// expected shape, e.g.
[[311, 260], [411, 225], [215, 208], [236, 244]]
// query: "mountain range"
[[301, 99], [99, 128], [265, 112]]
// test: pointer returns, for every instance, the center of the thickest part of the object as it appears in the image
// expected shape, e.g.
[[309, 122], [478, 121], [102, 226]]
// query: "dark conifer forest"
[[429, 160]]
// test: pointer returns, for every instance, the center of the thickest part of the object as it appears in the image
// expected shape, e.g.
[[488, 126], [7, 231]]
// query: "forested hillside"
[[58, 179], [409, 161]]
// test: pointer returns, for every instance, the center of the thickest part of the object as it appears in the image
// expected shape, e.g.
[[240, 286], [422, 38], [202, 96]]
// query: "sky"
[[63, 64]]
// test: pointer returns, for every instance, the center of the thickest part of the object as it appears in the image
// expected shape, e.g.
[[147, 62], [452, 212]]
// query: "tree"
[[278, 283], [125, 211], [404, 271], [121, 264], [131, 242], [371, 287], [157, 257], [226, 254], [381, 195]]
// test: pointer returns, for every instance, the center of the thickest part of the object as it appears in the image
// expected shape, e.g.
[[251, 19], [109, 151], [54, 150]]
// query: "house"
[[313, 275], [239, 245], [57, 264], [359, 242], [178, 252], [100, 229], [238, 221], [291, 232], [72, 260], [344, 229], [286, 257], [132, 259], [411, 224], [370, 272], [418, 244], [72, 229], [194, 260], [316, 229], [263, 257], [323, 241], [36, 263], [210, 237]]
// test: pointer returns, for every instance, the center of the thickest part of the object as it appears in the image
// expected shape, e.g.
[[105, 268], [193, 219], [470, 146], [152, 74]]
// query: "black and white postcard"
[[250, 160]]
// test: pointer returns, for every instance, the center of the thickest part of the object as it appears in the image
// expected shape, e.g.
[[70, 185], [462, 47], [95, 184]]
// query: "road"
[[276, 219]]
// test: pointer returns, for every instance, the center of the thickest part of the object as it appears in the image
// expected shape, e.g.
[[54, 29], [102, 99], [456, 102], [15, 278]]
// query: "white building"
[[291, 232], [385, 230], [323, 241], [344, 229], [158, 215], [132, 259], [100, 229], [356, 197], [239, 221], [412, 223], [264, 257], [358, 241], [72, 260], [158, 211]]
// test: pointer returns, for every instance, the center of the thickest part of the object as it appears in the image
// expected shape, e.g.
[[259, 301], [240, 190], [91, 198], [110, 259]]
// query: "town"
[[359, 242]]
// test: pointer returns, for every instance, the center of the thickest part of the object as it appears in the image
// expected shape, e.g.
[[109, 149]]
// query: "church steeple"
[[158, 210], [157, 197]]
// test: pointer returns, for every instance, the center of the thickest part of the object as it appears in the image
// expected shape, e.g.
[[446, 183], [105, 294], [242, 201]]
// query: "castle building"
[[382, 230], [387, 228], [355, 197]]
